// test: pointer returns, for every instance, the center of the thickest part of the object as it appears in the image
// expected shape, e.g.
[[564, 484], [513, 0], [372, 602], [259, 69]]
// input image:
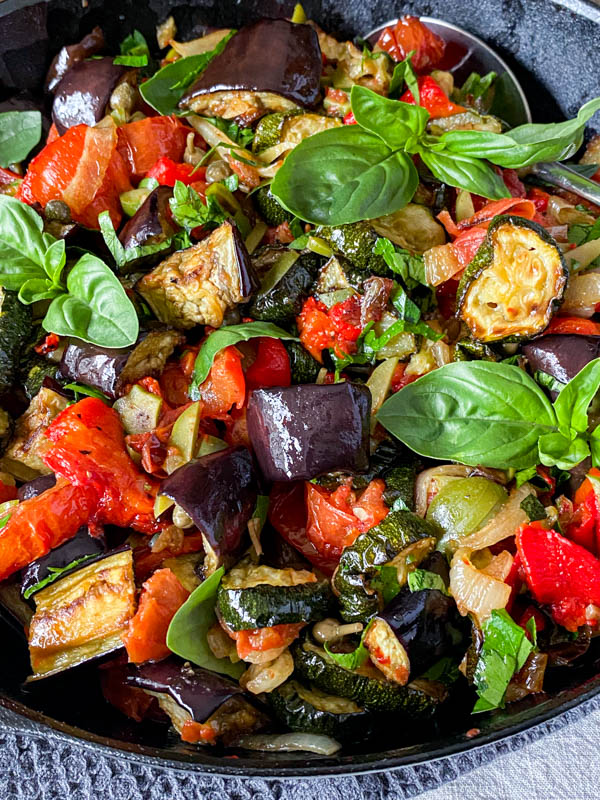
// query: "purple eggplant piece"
[[111, 369], [35, 487], [23, 47], [68, 56], [82, 544], [199, 691], [300, 432], [150, 223], [273, 56], [561, 355], [82, 95], [427, 624], [219, 493]]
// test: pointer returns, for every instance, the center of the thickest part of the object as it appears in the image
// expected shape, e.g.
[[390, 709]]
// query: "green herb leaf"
[[394, 122], [186, 636], [351, 660], [96, 309], [224, 337], [23, 248], [344, 175], [475, 87], [565, 452], [445, 671], [122, 255], [405, 73], [80, 389], [474, 412], [423, 579], [386, 582], [465, 172], [409, 266], [525, 475], [165, 88], [241, 136], [571, 406], [533, 508], [531, 628], [55, 573], [131, 61], [38, 289], [20, 131], [189, 211], [548, 382], [504, 651]]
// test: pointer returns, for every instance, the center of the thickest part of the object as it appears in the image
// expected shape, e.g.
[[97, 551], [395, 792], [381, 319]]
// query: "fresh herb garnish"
[[20, 131], [239, 135], [134, 51], [404, 73], [533, 508], [475, 87], [54, 573], [548, 382], [127, 255], [423, 579], [81, 390], [409, 266], [386, 582], [351, 660], [189, 211]]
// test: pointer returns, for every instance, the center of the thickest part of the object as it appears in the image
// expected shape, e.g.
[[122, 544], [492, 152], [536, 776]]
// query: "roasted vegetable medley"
[[298, 377]]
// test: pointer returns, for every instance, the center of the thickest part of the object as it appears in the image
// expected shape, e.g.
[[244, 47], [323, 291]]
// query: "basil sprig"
[[495, 415], [365, 171], [90, 304], [20, 131], [134, 51]]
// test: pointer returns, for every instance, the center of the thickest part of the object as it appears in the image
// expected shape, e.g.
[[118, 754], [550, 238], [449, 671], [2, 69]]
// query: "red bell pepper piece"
[[144, 142], [539, 198], [337, 327], [560, 574], [261, 639], [271, 367], [577, 325], [225, 386], [7, 492], [433, 98], [195, 732], [349, 119], [146, 636], [89, 451], [408, 34], [167, 172]]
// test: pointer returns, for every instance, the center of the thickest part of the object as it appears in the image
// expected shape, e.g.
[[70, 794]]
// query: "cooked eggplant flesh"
[[83, 94], [150, 223], [36, 486], [82, 616], [561, 355], [69, 55]]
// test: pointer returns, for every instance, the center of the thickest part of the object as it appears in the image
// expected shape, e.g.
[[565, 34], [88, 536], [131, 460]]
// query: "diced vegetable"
[[82, 95], [15, 330], [139, 410]]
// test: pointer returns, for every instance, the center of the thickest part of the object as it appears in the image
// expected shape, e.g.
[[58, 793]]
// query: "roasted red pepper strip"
[[261, 639], [560, 574], [433, 98], [577, 325], [38, 525], [89, 451], [271, 367], [167, 172], [225, 386]]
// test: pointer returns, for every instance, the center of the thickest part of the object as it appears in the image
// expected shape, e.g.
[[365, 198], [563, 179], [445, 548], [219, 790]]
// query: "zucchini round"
[[282, 301], [514, 284], [356, 242], [270, 210], [313, 711], [253, 596], [365, 685], [402, 539], [303, 366]]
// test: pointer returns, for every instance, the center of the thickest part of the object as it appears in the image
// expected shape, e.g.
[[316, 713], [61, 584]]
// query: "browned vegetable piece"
[[82, 95], [150, 224], [91, 44]]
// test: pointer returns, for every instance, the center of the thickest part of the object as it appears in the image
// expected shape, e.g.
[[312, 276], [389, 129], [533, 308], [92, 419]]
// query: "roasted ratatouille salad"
[[298, 374]]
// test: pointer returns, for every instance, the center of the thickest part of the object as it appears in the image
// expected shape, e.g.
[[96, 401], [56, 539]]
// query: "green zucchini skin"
[[15, 330], [378, 546], [265, 605], [284, 301], [484, 259], [303, 366], [33, 372], [299, 714], [398, 467], [268, 130], [313, 664], [270, 210], [356, 242], [472, 350]]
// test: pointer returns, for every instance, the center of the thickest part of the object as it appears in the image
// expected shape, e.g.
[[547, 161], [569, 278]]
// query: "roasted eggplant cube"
[[273, 65], [69, 55], [219, 493], [150, 224], [82, 615], [36, 486], [198, 285], [188, 693], [111, 370], [561, 355], [300, 432], [515, 283], [83, 94]]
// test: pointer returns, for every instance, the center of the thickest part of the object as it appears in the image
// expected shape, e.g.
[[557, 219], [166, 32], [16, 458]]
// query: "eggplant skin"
[[35, 487], [110, 370], [272, 57], [301, 432], [149, 224], [561, 355], [82, 95], [69, 55], [219, 492]]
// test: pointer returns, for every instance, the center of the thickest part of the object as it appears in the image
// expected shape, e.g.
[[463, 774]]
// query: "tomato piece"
[[89, 450], [146, 636], [433, 98], [7, 492], [539, 198], [261, 639], [271, 367], [167, 172], [408, 34], [144, 142], [225, 386], [195, 732], [349, 119], [577, 325], [467, 244]]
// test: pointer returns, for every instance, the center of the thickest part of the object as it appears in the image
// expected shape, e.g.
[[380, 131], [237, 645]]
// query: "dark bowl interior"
[[550, 47]]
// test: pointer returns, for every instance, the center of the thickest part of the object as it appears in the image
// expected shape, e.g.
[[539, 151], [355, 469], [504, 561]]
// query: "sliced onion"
[[290, 742], [583, 291], [499, 566], [475, 592], [166, 32], [441, 353], [425, 479], [204, 44], [566, 214], [559, 232], [504, 524], [271, 153], [441, 264]]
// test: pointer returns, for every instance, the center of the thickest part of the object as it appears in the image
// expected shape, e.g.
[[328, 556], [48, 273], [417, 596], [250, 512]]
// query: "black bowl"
[[551, 48]]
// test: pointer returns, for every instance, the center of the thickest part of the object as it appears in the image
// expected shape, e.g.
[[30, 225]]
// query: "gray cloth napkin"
[[556, 760]]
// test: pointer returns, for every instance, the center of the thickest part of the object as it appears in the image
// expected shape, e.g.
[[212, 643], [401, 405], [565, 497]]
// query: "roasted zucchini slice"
[[82, 615], [356, 242], [35, 371], [367, 686], [285, 287], [402, 540], [252, 596], [15, 331], [269, 208], [313, 711], [289, 126], [304, 367], [514, 284], [6, 429]]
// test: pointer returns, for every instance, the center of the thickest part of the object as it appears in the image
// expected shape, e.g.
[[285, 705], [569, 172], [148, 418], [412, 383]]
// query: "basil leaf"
[[189, 211], [405, 73], [122, 255], [525, 475], [548, 382], [241, 136], [533, 508], [36, 289], [224, 337], [20, 131], [86, 391], [22, 246], [595, 447], [55, 260], [504, 651], [131, 61], [445, 671], [165, 88], [474, 412], [464, 172], [423, 579], [475, 86], [572, 404], [186, 635], [344, 175], [134, 44], [394, 122], [564, 452], [386, 582], [96, 309], [409, 266], [56, 573], [354, 659]]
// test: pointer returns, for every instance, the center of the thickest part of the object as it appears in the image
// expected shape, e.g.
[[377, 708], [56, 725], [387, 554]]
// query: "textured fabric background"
[[555, 761]]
